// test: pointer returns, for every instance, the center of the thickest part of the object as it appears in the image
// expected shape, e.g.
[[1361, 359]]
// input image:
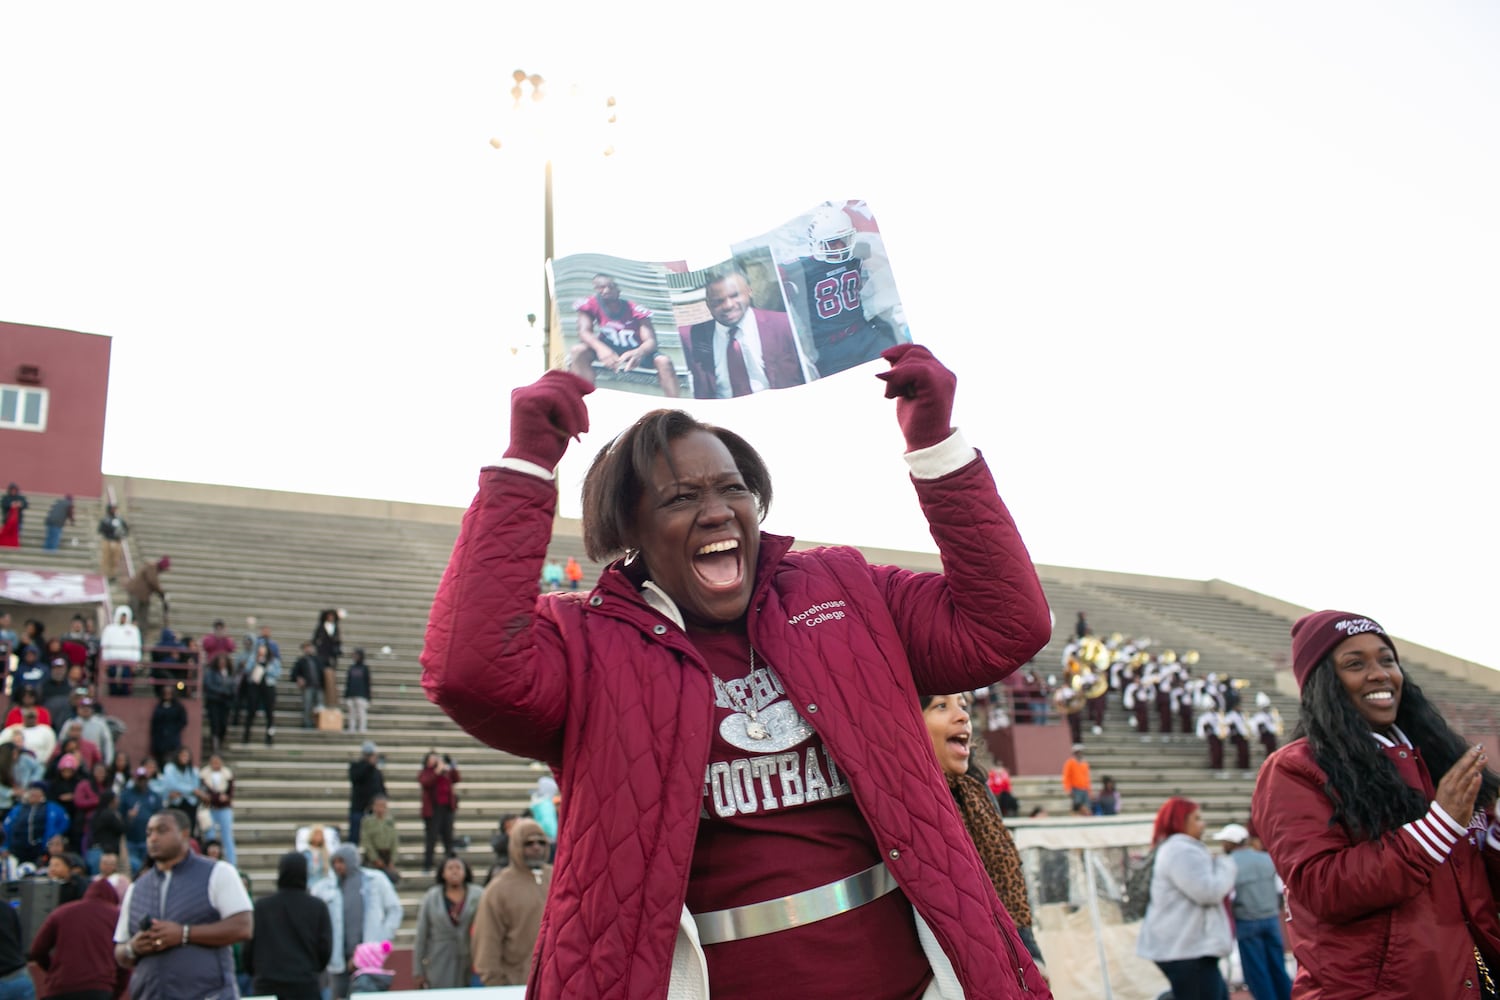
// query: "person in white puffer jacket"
[[1186, 928]]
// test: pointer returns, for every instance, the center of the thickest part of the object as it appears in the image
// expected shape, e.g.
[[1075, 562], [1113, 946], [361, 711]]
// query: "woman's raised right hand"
[[544, 415]]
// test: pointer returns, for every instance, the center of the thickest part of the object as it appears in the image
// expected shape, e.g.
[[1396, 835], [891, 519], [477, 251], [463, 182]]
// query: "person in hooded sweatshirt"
[[120, 650], [75, 949], [145, 583], [364, 907], [510, 911], [293, 936]]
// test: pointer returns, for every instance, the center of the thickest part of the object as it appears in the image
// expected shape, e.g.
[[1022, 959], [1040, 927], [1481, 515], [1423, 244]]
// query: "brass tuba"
[[1065, 699]]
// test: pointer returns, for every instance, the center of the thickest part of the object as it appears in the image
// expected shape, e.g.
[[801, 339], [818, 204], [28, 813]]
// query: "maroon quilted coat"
[[618, 700]]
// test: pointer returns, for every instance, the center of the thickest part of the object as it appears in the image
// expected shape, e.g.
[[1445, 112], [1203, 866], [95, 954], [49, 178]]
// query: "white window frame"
[[22, 391]]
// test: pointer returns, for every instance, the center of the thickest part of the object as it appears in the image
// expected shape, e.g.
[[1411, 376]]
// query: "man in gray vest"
[[179, 919]]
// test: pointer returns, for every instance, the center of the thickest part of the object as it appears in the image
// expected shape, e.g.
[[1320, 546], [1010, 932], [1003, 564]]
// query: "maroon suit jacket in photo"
[[777, 348]]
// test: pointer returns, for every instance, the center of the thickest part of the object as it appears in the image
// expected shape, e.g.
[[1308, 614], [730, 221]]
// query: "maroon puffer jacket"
[[616, 698]]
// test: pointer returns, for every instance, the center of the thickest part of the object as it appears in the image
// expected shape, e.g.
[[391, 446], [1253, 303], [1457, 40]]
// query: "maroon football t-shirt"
[[777, 819]]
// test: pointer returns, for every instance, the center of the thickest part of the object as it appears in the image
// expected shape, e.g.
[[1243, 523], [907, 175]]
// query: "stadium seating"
[[282, 557]]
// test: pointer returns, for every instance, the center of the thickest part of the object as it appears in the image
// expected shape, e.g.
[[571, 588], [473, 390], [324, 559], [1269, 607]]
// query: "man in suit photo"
[[742, 349]]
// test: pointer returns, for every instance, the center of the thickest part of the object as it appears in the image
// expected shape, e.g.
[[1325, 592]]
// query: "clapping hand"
[[1458, 788]]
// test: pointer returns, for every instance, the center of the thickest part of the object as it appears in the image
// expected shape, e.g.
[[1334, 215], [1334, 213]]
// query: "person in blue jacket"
[[32, 822]]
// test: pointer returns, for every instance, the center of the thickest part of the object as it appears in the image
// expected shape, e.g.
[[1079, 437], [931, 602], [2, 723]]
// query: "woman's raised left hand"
[[1460, 786]]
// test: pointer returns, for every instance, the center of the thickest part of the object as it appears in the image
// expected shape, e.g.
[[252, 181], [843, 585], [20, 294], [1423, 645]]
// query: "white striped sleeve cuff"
[[1435, 833], [1492, 837]]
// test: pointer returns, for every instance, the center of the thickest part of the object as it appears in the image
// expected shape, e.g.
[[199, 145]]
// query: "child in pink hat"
[[370, 973]]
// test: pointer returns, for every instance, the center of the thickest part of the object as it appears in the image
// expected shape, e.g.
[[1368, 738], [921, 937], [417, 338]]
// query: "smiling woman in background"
[[1378, 821], [749, 801]]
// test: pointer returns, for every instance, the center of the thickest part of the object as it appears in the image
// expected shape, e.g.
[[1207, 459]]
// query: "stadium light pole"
[[530, 88]]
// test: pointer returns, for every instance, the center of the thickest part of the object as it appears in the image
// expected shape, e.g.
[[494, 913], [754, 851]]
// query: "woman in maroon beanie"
[[1379, 819]]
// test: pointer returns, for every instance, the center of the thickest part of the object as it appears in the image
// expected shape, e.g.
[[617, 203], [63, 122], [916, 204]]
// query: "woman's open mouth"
[[718, 564]]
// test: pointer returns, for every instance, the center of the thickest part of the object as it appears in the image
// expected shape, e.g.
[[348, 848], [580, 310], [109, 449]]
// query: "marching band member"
[[1095, 689], [1070, 703], [1119, 670], [1266, 722], [1215, 689], [1182, 704], [1188, 712], [1211, 728], [1239, 735], [1144, 699], [1135, 701], [1164, 700]]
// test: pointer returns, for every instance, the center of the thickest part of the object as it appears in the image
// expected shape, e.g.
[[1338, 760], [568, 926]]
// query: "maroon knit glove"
[[923, 391], [544, 414]]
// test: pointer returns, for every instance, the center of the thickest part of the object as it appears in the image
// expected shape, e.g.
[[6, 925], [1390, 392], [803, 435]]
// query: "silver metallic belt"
[[810, 906]]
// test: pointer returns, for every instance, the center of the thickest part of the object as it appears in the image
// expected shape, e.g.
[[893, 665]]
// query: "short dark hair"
[[178, 817], [724, 274], [617, 478]]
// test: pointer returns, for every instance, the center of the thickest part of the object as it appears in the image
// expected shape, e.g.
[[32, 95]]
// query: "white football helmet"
[[831, 235]]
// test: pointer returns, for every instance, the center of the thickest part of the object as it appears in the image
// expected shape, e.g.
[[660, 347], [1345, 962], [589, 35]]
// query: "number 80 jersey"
[[830, 292]]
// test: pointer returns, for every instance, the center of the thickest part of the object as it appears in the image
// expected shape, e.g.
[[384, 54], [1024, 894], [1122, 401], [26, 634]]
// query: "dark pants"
[[241, 700], [1263, 958], [356, 820], [311, 699], [437, 826], [260, 697], [1215, 753], [218, 718], [1195, 979], [1241, 751]]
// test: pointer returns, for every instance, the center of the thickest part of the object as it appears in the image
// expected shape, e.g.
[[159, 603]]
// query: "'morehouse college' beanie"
[[1315, 635]]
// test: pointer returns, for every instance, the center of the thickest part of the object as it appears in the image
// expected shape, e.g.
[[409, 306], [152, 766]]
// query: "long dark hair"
[[1369, 798]]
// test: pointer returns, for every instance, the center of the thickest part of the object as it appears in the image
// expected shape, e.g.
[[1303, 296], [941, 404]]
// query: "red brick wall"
[[74, 368]]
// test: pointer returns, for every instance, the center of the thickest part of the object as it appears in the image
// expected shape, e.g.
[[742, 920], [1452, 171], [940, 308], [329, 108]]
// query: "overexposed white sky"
[[1218, 279]]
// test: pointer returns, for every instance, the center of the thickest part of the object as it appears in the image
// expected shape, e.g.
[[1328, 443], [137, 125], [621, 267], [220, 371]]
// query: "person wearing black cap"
[[293, 936], [1378, 817]]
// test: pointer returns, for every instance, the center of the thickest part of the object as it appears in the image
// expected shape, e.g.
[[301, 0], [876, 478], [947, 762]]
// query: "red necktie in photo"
[[739, 376]]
